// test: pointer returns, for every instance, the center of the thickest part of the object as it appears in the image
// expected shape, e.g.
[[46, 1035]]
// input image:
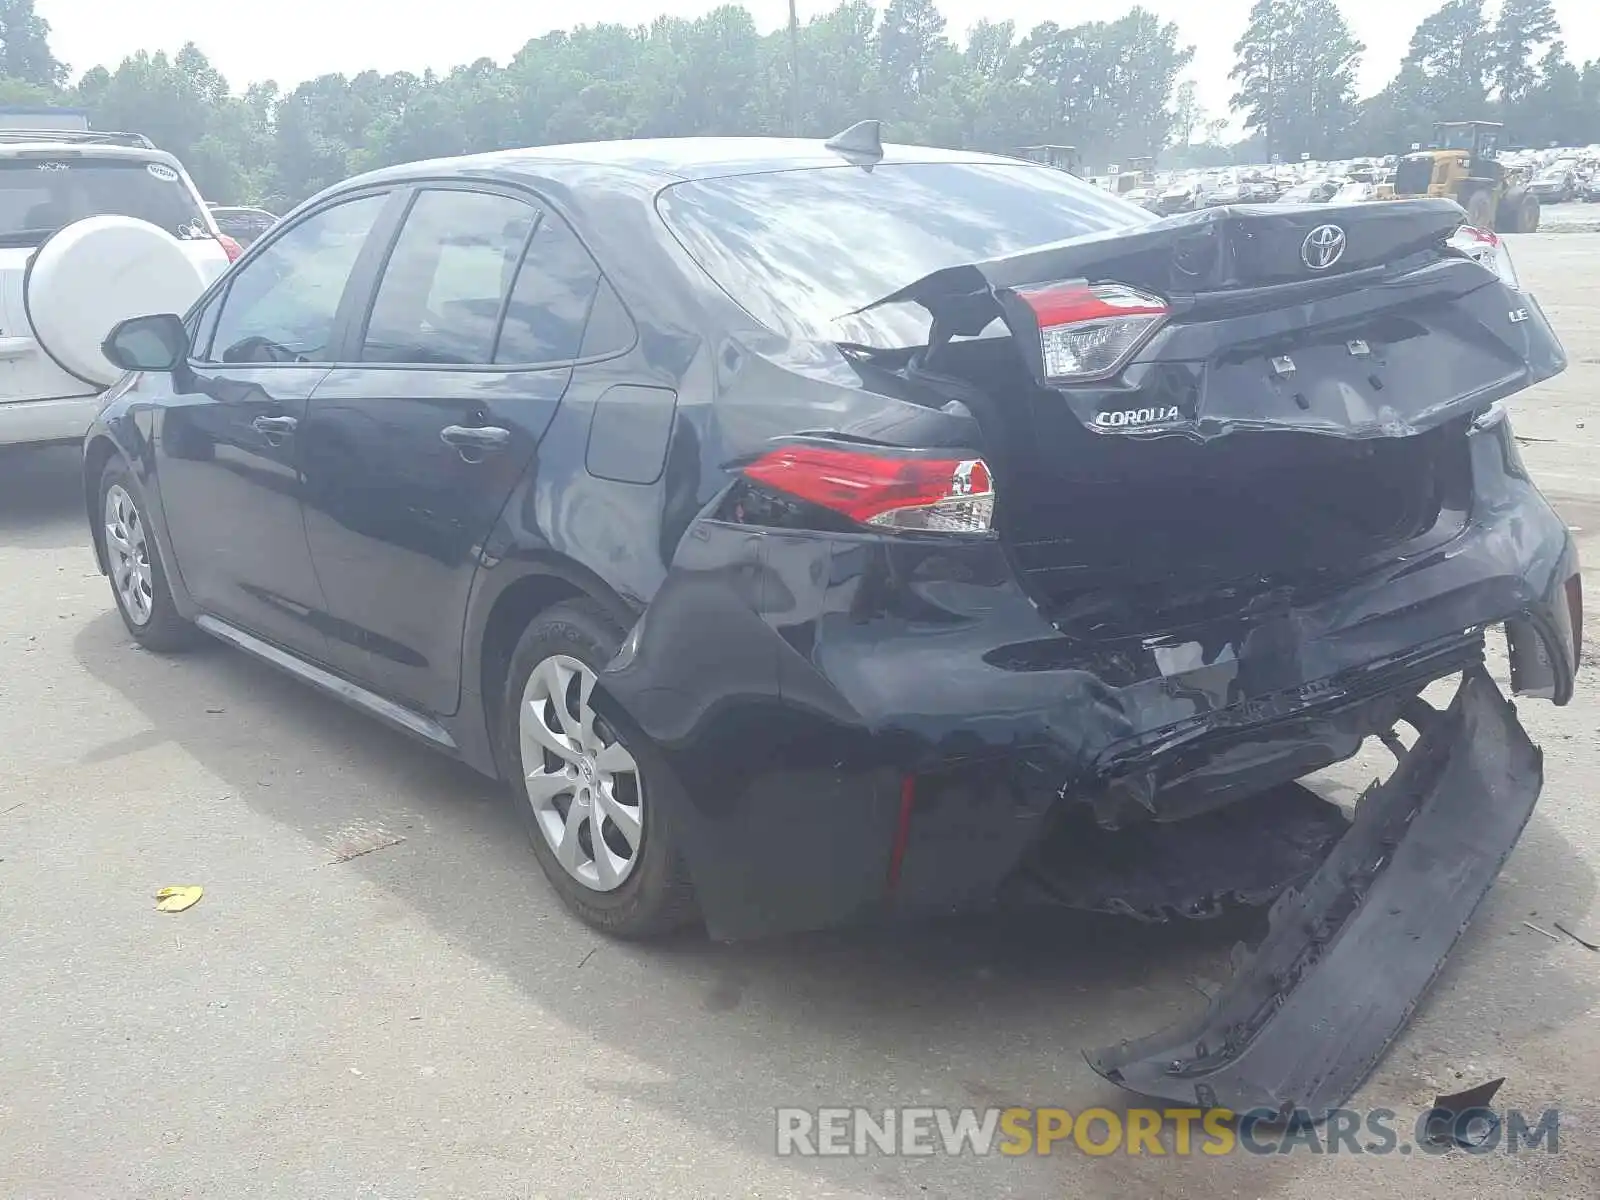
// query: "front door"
[[229, 438], [411, 457]]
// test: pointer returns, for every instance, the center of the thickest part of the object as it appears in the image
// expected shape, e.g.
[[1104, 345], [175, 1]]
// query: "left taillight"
[[1088, 330], [914, 492], [230, 247]]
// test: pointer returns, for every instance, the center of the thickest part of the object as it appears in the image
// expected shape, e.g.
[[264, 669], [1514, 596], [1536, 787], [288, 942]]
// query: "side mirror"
[[154, 343]]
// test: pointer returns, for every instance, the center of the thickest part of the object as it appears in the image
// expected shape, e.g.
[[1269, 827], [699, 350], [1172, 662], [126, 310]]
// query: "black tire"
[[1528, 221], [162, 629], [1480, 210], [1518, 212], [656, 897]]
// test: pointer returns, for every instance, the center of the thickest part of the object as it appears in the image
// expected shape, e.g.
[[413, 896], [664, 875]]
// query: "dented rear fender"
[[792, 682]]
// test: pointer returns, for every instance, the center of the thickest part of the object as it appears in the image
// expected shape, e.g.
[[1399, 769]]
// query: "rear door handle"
[[474, 441], [274, 426]]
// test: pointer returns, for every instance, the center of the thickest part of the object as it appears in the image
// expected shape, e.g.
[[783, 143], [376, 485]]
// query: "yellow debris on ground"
[[176, 899]]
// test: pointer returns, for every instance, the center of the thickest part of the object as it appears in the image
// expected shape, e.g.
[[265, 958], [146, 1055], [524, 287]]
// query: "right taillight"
[[1487, 249], [930, 493], [1088, 330]]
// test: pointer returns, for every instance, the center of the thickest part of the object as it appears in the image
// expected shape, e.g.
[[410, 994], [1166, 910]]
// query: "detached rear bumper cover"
[[1312, 1010]]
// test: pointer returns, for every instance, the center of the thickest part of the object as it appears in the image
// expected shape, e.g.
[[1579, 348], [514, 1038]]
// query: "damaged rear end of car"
[[1153, 523]]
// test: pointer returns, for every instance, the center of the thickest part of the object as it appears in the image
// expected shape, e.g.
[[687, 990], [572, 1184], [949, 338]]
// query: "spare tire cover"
[[96, 272]]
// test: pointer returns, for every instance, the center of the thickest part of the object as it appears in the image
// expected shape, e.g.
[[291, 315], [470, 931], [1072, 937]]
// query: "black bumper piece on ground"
[[1310, 1012]]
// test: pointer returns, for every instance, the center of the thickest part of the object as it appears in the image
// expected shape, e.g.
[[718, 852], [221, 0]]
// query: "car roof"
[[669, 160]]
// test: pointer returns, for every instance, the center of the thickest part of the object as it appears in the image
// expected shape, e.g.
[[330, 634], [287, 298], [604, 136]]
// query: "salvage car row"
[[814, 532], [1556, 176]]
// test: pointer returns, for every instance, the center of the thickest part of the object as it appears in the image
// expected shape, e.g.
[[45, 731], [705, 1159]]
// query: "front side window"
[[444, 289], [202, 325], [282, 305]]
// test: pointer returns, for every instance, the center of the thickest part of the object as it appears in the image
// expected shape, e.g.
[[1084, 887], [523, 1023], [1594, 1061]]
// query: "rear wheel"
[[138, 583], [592, 812]]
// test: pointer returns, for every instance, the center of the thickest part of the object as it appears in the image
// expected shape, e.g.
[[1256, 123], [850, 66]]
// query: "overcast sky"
[[294, 40]]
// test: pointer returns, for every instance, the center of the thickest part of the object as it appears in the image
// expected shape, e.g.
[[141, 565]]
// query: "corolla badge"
[[1138, 416], [1323, 247]]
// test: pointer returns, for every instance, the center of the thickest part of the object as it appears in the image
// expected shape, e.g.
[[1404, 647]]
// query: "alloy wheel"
[[128, 549], [582, 782]]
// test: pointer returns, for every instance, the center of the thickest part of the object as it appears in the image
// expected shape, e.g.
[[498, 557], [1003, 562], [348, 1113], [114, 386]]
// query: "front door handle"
[[274, 426], [474, 441]]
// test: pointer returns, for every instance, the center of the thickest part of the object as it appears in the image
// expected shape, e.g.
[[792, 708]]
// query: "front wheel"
[[1530, 216], [138, 582], [592, 811], [1480, 210]]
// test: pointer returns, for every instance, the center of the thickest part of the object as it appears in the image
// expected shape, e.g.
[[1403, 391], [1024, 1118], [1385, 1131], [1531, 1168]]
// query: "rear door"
[[229, 443], [465, 352]]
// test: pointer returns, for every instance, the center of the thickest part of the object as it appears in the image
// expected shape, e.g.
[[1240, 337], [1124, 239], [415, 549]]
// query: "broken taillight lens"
[[1090, 329], [913, 492], [1487, 249]]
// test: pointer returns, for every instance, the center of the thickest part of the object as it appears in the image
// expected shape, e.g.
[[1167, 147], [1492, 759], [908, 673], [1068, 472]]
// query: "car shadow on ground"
[[41, 497], [984, 1011]]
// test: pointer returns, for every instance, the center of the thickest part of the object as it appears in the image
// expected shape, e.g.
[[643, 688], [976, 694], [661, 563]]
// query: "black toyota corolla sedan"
[[808, 531]]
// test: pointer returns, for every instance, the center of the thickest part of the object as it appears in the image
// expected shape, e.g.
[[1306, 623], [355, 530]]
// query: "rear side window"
[[281, 305], [446, 282], [550, 302], [40, 194], [803, 250]]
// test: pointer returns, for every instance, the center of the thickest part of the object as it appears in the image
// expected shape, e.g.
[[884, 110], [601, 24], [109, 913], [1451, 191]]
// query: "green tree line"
[[1112, 88]]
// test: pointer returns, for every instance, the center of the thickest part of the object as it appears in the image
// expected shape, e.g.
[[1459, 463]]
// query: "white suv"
[[94, 227]]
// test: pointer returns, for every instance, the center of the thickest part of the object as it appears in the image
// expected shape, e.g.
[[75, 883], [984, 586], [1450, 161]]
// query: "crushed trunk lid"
[[1353, 321]]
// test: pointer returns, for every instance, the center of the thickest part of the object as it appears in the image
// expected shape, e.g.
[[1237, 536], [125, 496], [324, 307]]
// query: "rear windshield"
[[39, 195], [801, 250]]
